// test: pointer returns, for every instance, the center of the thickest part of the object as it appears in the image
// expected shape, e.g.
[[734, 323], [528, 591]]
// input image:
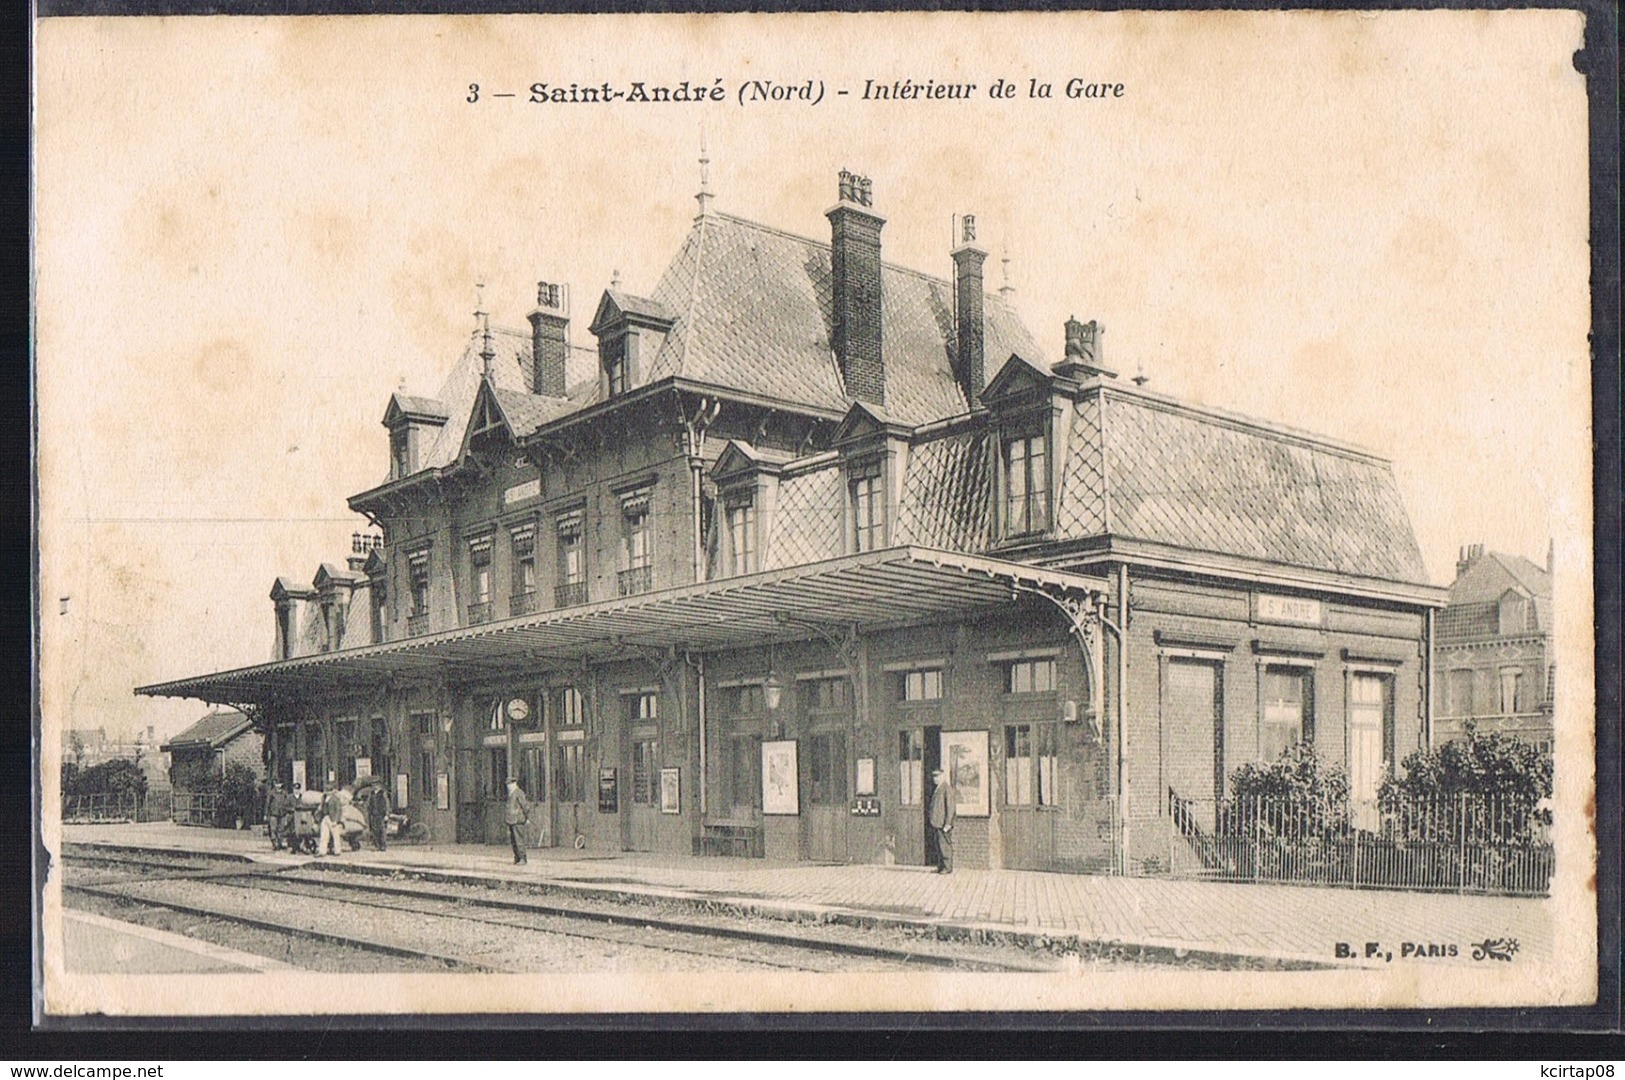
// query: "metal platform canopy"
[[874, 589]]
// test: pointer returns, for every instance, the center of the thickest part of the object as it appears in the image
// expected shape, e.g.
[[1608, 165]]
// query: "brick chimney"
[[855, 257], [1467, 557], [969, 298], [550, 339]]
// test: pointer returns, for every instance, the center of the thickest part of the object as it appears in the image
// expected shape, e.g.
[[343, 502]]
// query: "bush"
[[1316, 795], [120, 776], [1498, 781], [239, 796]]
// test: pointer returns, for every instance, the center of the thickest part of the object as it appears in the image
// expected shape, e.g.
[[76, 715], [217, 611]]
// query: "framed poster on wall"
[[401, 790], [299, 774], [442, 791], [780, 791], [964, 755], [671, 791]]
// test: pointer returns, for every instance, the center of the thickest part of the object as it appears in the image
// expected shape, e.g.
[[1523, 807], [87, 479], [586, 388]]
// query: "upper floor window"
[[284, 629], [637, 544], [1026, 484], [742, 538], [572, 558], [868, 507], [826, 693], [1459, 688], [1511, 691], [744, 700], [380, 598], [523, 542], [418, 571], [479, 570], [924, 684], [1029, 676]]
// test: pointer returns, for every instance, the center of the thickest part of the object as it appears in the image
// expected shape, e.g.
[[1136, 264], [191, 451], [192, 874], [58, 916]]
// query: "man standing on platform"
[[518, 814], [943, 798]]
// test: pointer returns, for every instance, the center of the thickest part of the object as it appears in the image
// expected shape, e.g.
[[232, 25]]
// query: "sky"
[[249, 232]]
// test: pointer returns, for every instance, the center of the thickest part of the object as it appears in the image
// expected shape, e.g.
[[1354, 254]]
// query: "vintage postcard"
[[814, 512]]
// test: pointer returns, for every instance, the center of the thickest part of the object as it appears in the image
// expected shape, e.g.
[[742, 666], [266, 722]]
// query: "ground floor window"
[[425, 774], [910, 767], [533, 772], [1288, 710], [1031, 765], [745, 772], [646, 771], [570, 777], [826, 768], [496, 769]]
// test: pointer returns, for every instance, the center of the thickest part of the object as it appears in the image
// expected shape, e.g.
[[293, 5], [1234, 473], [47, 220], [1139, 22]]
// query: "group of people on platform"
[[281, 814], [329, 812]]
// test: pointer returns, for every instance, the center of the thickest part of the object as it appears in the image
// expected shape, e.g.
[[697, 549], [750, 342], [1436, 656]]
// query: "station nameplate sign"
[[1297, 610], [530, 489]]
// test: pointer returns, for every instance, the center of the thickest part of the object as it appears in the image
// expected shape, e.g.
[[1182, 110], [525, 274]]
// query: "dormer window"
[[741, 535], [400, 454], [1026, 483], [630, 330], [614, 356], [867, 490]]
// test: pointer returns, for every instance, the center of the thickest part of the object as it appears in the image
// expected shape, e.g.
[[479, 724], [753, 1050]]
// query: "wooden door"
[[643, 813], [470, 805], [1029, 794], [911, 777], [1368, 715], [1192, 733]]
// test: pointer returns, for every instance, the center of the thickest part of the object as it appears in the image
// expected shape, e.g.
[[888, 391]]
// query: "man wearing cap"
[[518, 814], [941, 818]]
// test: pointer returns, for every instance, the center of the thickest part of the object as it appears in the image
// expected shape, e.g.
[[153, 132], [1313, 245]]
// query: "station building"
[[799, 525]]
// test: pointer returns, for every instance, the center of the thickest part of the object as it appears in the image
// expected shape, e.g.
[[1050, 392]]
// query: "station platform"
[[1179, 918]]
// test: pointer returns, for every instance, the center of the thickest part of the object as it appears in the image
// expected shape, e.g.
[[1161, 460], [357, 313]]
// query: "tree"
[[1317, 794], [120, 776]]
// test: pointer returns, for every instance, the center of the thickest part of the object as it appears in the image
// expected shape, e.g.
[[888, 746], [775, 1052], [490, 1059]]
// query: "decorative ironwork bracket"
[[1084, 615]]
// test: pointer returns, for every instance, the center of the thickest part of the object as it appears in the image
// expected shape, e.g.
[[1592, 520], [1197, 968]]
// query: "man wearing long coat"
[[941, 818], [518, 813]]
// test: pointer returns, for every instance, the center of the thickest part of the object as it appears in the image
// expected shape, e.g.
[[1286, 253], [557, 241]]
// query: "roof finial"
[[1140, 377], [615, 279], [487, 352], [1006, 290], [705, 196]]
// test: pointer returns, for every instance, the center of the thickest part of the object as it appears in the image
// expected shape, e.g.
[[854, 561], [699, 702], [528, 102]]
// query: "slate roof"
[[418, 406], [212, 732], [511, 369], [947, 493], [1203, 481], [1473, 611], [807, 520], [754, 312], [1141, 467]]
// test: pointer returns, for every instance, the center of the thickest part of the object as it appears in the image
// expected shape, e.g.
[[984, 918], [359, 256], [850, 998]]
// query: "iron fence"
[[1465, 843], [199, 808], [113, 806]]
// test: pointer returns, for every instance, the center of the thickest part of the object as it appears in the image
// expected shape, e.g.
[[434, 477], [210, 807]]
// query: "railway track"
[[480, 932]]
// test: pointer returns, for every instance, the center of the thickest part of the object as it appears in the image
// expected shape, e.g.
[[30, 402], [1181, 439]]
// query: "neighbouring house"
[[200, 755], [1494, 659], [797, 526]]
